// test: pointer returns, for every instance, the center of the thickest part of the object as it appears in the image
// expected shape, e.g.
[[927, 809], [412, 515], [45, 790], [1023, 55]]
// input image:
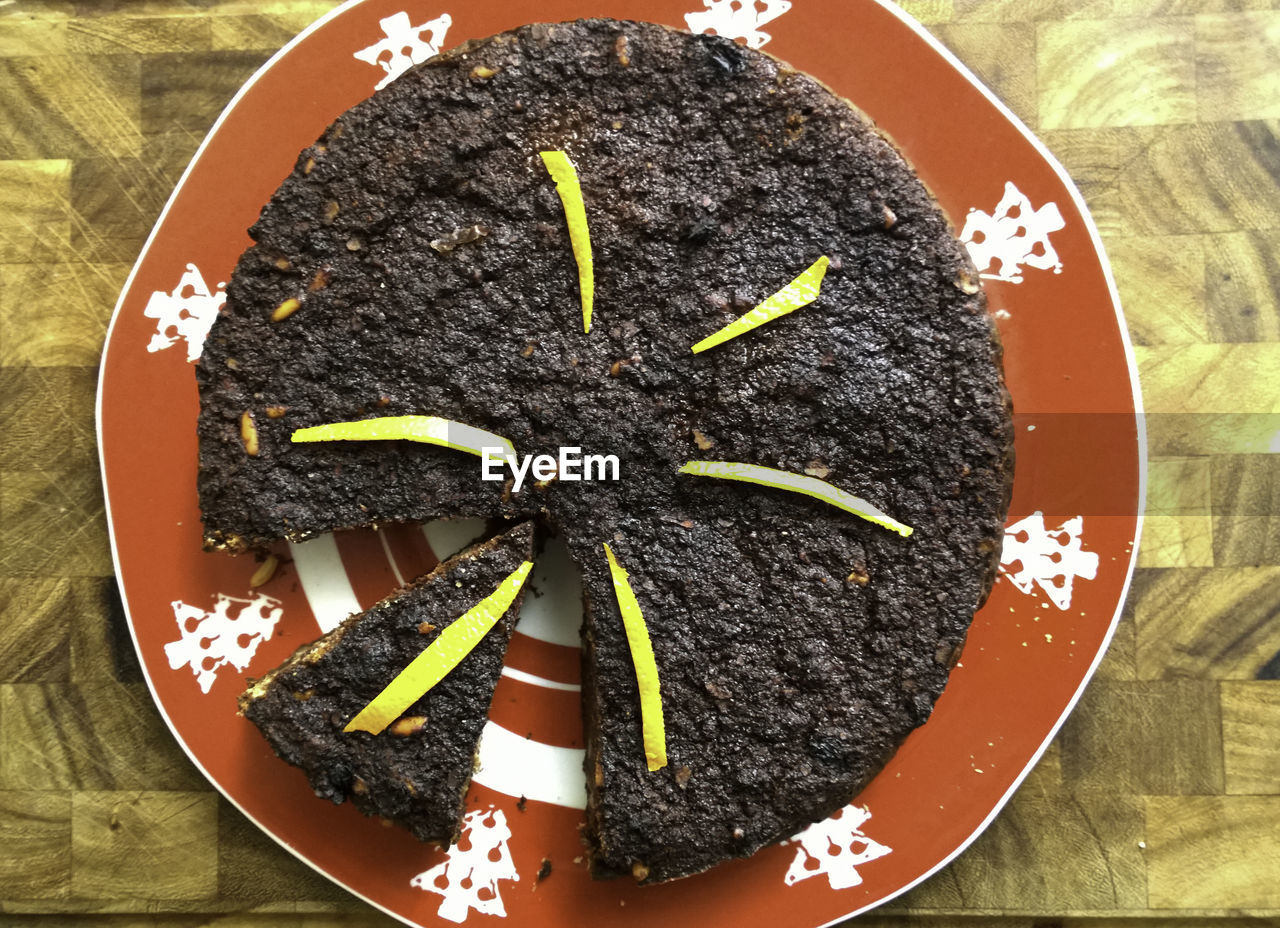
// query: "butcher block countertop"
[[1159, 801]]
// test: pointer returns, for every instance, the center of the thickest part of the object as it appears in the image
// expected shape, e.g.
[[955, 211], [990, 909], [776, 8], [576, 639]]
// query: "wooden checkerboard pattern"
[[1159, 802]]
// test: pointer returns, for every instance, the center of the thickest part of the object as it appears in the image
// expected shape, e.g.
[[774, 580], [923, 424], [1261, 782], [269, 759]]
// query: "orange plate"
[[199, 629]]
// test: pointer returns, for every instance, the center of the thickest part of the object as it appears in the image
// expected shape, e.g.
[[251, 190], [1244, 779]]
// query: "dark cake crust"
[[797, 645], [415, 775]]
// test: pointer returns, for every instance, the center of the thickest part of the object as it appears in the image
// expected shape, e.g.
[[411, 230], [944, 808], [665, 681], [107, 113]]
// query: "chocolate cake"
[[418, 261], [416, 771]]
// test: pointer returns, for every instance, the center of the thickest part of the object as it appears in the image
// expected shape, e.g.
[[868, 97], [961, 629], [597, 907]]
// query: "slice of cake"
[[415, 771]]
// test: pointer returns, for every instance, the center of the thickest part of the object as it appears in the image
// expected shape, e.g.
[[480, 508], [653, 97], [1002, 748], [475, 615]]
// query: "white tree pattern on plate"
[[227, 634], [468, 877], [403, 44], [835, 848], [737, 19], [185, 313], [1016, 234], [1051, 559]]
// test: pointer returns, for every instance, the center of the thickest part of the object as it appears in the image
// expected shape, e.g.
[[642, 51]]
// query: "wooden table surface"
[[1159, 802]]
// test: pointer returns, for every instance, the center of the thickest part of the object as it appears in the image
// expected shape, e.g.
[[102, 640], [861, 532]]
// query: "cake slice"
[[416, 771], [792, 664]]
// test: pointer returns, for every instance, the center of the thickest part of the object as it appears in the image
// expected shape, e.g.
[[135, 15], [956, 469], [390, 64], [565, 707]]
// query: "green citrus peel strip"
[[440, 657], [575, 213], [797, 483], [652, 726], [800, 292], [430, 430]]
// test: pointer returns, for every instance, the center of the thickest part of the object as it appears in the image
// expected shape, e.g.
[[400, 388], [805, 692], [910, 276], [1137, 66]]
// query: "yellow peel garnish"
[[651, 722], [440, 657], [800, 292], [430, 430], [797, 483], [575, 213]]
